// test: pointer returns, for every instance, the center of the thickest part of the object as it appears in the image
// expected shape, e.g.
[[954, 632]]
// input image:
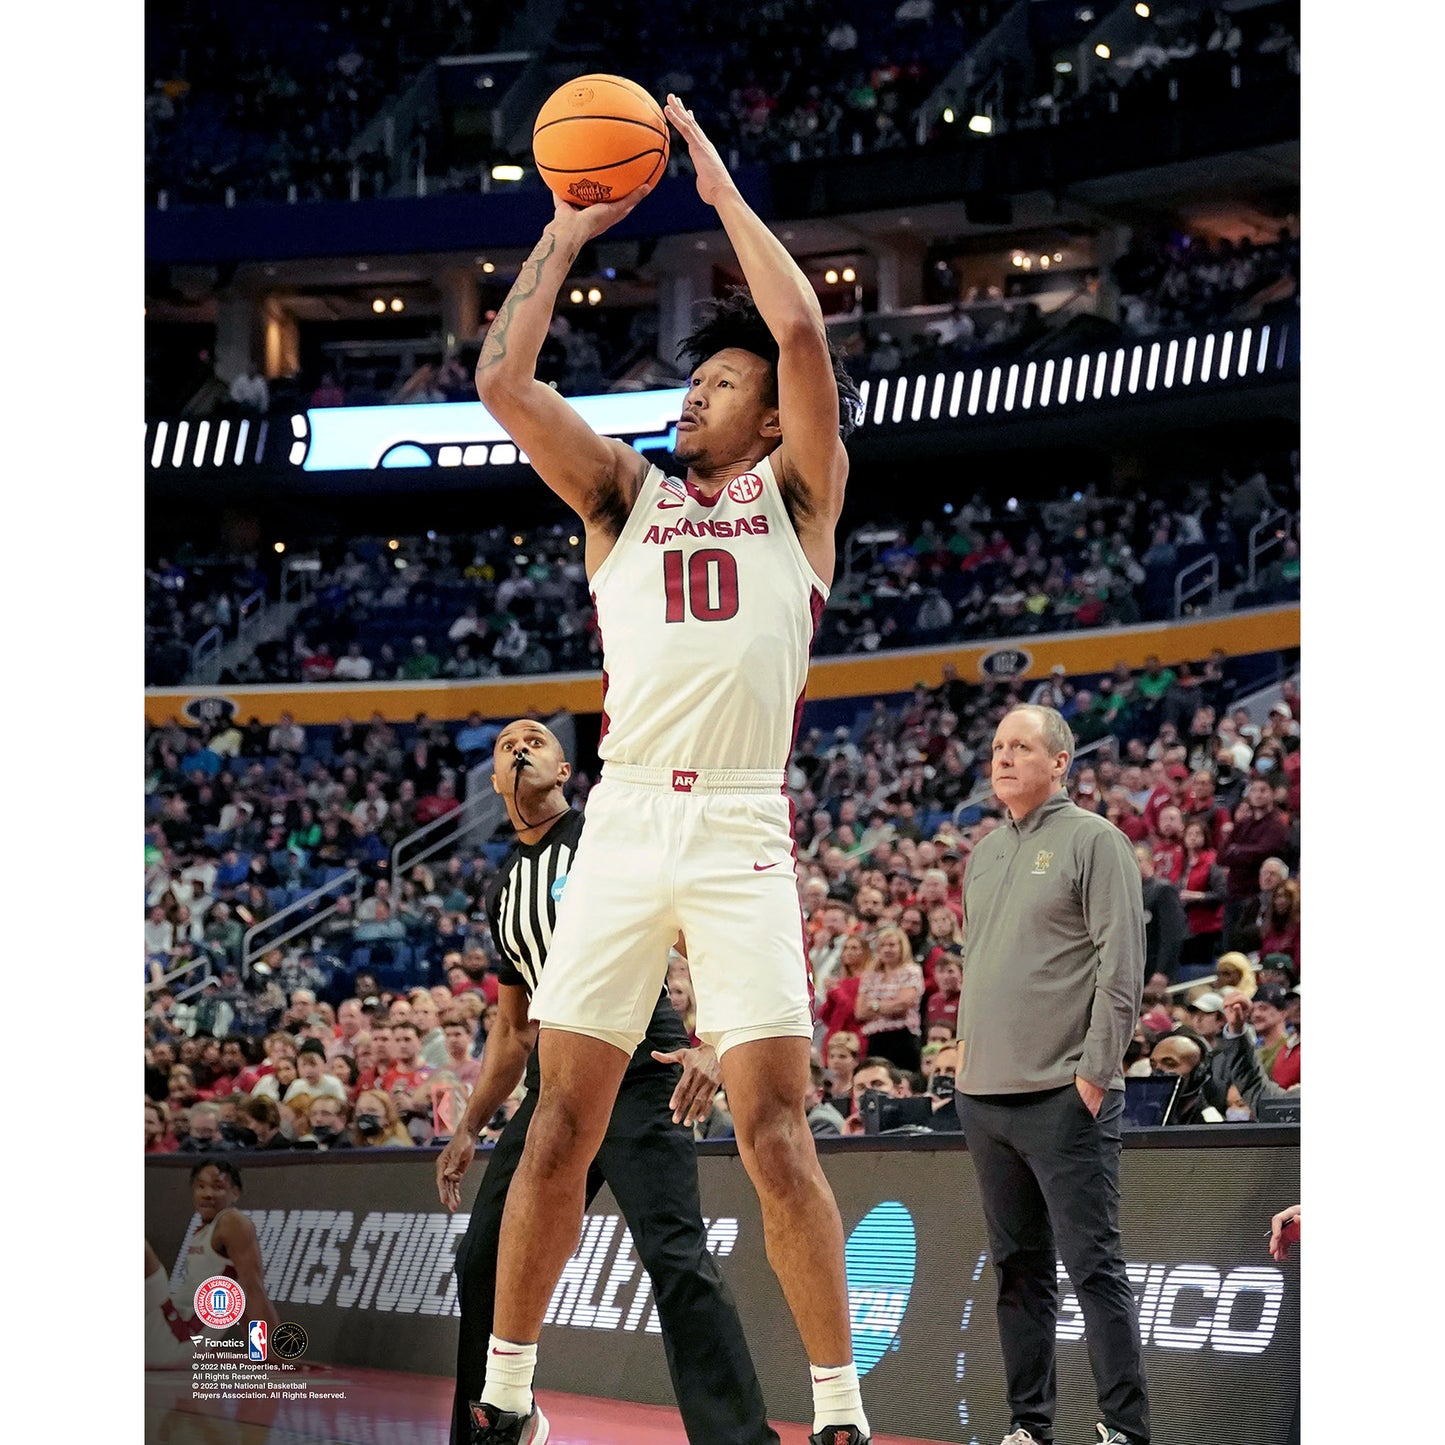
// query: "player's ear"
[[564, 772], [496, 787], [772, 423]]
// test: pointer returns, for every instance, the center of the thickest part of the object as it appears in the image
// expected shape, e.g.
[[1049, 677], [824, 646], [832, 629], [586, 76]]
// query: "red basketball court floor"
[[379, 1407]]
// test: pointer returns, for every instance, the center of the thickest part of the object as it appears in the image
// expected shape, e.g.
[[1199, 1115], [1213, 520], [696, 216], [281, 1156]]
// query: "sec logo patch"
[[746, 488]]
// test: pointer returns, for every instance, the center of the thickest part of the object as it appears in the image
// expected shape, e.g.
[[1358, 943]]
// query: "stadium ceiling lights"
[[981, 124], [506, 173]]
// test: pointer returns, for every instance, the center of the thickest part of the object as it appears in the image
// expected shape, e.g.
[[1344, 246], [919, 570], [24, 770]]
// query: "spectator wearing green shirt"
[[422, 664]]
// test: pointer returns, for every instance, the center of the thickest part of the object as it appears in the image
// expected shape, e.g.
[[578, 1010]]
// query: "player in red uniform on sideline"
[[708, 590]]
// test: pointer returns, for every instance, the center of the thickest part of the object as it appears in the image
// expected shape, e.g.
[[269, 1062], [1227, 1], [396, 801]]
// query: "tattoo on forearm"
[[528, 279]]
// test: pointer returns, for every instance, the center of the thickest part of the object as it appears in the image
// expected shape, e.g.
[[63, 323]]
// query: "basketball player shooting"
[[708, 590]]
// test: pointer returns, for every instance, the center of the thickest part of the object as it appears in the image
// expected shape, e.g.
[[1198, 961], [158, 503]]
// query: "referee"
[[1054, 941], [647, 1157]]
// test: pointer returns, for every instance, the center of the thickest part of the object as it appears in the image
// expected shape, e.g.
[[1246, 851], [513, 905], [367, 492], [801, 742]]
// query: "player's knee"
[[778, 1151], [561, 1136]]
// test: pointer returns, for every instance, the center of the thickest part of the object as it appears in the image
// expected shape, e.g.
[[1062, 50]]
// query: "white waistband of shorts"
[[696, 780]]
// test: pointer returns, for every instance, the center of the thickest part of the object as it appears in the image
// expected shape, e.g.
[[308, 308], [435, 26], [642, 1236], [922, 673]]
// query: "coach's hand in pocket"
[[1091, 1094], [695, 1091]]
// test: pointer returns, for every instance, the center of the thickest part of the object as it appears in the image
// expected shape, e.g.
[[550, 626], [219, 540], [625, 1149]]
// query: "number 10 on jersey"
[[693, 582]]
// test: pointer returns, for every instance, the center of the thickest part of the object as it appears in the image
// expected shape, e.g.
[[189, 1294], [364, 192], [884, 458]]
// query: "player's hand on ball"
[[712, 175], [452, 1165], [695, 1091], [586, 223]]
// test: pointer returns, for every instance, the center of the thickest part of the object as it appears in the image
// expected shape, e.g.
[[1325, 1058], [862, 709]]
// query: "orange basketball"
[[598, 138]]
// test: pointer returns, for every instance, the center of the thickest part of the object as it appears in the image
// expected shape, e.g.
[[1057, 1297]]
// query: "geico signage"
[[1188, 1306], [399, 1262]]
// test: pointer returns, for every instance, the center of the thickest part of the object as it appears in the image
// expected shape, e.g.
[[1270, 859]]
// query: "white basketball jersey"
[[199, 1261], [707, 611]]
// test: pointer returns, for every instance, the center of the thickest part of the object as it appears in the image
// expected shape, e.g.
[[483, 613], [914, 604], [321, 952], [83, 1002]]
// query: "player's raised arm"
[[811, 457], [598, 476]]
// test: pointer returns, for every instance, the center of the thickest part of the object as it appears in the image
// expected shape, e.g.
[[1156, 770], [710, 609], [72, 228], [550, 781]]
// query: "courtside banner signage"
[[359, 1253]]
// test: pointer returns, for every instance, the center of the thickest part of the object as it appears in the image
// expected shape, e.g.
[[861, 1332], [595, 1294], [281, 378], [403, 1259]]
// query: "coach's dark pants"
[[1048, 1173], [651, 1167]]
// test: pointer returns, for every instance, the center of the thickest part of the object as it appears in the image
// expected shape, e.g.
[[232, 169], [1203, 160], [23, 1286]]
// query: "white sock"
[[509, 1375], [836, 1400]]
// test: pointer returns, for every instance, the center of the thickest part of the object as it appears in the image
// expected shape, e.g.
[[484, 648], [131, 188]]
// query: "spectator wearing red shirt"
[[941, 1005], [408, 1071], [438, 804], [1167, 845], [457, 1030], [279, 1045], [1202, 806], [1202, 891], [1260, 832], [1173, 791], [836, 1007], [1122, 813], [159, 1139], [381, 1054], [231, 1064], [1282, 923]]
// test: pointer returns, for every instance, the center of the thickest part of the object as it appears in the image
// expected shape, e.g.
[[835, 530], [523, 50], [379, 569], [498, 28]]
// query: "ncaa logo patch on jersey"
[[746, 488], [558, 886]]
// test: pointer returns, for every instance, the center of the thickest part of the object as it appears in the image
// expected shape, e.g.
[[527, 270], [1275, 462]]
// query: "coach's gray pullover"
[[1053, 953]]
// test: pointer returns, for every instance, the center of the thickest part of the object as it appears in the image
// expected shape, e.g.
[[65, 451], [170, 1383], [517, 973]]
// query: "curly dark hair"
[[735, 321]]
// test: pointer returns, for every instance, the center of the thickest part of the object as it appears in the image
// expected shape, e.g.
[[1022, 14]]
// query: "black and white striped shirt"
[[522, 909], [523, 905]]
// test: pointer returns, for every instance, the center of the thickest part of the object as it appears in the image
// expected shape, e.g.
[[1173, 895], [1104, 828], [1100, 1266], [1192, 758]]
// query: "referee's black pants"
[[1048, 1175], [650, 1164]]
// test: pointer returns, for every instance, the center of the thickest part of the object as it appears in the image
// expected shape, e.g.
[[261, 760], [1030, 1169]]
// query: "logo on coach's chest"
[[1041, 862]]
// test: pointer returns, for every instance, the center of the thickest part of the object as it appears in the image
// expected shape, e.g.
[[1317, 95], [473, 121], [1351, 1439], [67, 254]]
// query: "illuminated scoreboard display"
[[464, 434]]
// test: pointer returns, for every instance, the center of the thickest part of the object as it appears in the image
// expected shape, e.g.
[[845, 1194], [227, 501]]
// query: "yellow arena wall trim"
[[1237, 633]]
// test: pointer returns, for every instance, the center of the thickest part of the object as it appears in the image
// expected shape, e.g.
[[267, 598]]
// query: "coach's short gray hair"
[[1058, 735]]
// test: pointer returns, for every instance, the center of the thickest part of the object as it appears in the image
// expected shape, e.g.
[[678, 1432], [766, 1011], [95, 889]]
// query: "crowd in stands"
[[801, 79], [1179, 281], [479, 606], [184, 600], [268, 102], [366, 1027], [1183, 54]]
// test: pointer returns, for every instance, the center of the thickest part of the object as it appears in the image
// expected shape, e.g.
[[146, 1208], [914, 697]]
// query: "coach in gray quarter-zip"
[[1053, 977]]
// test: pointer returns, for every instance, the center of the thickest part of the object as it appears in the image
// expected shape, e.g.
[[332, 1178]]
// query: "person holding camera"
[[647, 1157]]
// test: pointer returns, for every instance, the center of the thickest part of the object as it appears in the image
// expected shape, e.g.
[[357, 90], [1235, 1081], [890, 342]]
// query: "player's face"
[[546, 765], [726, 412], [211, 1192]]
